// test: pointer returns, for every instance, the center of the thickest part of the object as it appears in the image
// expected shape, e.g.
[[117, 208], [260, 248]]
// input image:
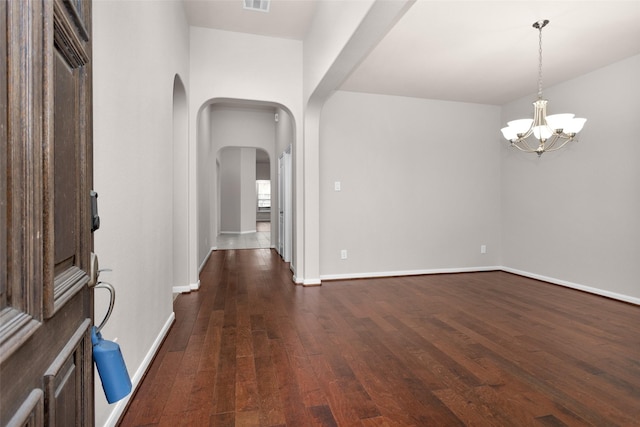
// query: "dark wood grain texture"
[[46, 307], [484, 349]]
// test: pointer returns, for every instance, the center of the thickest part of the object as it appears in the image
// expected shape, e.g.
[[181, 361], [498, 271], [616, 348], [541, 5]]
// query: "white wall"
[[237, 190], [263, 171], [206, 187], [415, 196], [333, 24], [572, 216], [340, 37], [242, 66], [138, 48], [285, 132], [243, 127], [180, 172], [248, 189], [230, 190]]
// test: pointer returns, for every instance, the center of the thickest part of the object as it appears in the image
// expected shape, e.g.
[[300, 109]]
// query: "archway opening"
[[245, 198], [268, 129]]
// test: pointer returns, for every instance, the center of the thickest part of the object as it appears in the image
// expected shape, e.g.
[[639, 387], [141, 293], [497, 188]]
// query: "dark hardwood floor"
[[483, 349]]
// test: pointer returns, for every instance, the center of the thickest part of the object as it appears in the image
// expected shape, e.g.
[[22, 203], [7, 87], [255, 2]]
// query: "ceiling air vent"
[[260, 5]]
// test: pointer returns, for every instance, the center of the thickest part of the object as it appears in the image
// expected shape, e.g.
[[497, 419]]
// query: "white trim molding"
[[591, 290], [407, 273], [119, 407], [312, 282], [297, 280], [181, 289], [554, 281], [186, 288]]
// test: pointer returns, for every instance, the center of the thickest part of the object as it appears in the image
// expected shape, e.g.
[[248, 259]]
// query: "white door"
[[281, 204], [285, 213]]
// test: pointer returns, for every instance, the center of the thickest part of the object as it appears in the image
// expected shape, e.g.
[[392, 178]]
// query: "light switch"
[[336, 185]]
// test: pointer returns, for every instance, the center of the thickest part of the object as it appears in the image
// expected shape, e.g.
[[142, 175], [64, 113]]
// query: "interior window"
[[263, 189]]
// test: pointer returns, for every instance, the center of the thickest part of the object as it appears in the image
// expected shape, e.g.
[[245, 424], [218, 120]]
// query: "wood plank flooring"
[[484, 349]]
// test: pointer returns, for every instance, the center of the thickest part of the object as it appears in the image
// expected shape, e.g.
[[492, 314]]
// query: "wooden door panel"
[[21, 56], [63, 381], [38, 357], [46, 306], [67, 188], [65, 166], [30, 413]]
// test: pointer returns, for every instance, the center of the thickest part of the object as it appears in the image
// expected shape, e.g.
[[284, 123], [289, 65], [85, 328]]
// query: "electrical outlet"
[[343, 254], [483, 249]]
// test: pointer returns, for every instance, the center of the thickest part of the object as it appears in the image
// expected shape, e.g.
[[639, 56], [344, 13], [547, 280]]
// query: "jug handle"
[[112, 301]]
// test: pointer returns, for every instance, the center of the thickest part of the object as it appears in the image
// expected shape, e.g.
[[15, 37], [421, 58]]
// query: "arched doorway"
[[245, 198], [225, 123]]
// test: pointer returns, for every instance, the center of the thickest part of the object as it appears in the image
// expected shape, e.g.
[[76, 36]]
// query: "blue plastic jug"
[[111, 368]]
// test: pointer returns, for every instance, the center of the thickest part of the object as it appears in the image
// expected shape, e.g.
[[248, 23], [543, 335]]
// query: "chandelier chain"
[[540, 62]]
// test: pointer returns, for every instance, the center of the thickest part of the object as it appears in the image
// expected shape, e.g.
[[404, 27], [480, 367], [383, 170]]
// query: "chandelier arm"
[[561, 145], [564, 138], [526, 149], [529, 132], [551, 141]]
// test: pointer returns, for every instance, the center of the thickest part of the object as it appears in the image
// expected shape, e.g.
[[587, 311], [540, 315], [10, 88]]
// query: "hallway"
[[252, 349], [260, 239]]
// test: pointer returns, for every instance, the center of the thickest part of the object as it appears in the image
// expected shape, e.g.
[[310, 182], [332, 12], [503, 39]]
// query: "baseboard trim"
[[296, 279], [589, 289], [186, 288], [552, 280], [312, 282], [407, 273], [239, 232], [181, 289], [120, 407], [206, 258]]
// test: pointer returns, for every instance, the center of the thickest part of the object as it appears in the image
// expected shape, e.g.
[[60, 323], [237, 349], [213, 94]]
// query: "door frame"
[[285, 205]]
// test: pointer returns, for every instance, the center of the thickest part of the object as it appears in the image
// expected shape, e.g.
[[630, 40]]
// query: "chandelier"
[[550, 133]]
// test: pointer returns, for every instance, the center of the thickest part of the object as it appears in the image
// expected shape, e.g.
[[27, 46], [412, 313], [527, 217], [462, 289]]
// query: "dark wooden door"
[[46, 303]]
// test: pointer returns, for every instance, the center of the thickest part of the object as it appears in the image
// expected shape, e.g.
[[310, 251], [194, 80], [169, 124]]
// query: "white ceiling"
[[469, 51], [287, 19]]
